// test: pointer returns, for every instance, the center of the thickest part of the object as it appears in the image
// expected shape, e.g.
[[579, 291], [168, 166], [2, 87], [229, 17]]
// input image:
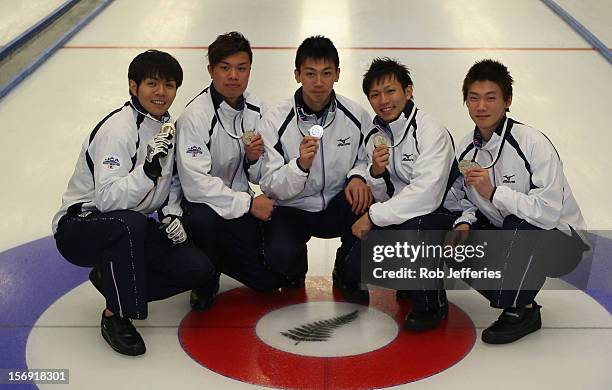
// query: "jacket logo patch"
[[344, 142], [111, 162], [194, 150], [408, 157], [508, 179]]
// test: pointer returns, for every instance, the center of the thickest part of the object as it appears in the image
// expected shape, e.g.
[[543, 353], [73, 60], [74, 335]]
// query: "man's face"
[[230, 76], [388, 98], [317, 78], [486, 105], [155, 94]]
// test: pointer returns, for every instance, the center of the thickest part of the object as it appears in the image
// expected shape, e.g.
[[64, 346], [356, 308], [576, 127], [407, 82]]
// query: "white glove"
[[174, 229], [157, 148]]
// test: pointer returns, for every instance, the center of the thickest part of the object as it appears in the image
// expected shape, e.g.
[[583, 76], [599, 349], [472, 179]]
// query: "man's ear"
[[296, 74], [508, 103], [133, 87], [409, 91]]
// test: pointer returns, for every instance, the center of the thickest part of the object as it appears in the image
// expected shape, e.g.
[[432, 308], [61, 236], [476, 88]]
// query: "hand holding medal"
[[248, 136], [379, 140], [316, 131], [464, 165], [380, 157], [253, 145], [309, 146], [168, 130], [477, 177]]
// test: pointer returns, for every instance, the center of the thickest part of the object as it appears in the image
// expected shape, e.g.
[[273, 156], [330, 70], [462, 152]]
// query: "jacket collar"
[[135, 103], [220, 103], [496, 138], [399, 127], [307, 115]]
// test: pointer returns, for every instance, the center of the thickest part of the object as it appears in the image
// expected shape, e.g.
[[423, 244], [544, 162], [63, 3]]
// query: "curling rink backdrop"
[[49, 312]]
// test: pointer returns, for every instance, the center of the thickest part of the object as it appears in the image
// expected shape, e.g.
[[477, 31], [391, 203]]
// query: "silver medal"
[[168, 129], [464, 165], [316, 131], [248, 136], [379, 140]]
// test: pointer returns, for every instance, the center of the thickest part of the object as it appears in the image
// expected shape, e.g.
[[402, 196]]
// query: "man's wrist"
[[357, 177], [374, 174], [305, 170], [492, 194], [250, 162], [469, 225]]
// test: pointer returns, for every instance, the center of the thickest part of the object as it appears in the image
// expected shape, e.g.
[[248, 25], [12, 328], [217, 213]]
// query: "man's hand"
[[380, 160], [458, 235], [308, 150], [362, 227], [358, 195], [255, 149], [479, 178], [174, 229], [262, 207], [157, 149]]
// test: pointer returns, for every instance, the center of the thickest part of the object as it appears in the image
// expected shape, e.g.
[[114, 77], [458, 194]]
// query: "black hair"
[[316, 47], [383, 67], [228, 44], [489, 70], [155, 63]]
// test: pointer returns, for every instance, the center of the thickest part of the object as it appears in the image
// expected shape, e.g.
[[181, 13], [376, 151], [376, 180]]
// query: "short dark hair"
[[228, 44], [316, 47], [383, 67], [489, 70], [155, 63]]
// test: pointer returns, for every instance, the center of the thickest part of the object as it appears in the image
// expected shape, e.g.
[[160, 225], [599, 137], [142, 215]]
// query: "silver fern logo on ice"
[[319, 330]]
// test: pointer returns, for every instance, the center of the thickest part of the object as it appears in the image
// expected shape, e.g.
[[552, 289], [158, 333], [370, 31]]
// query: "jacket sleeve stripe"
[[462, 155], [204, 91], [452, 177], [389, 183], [512, 141], [253, 107], [349, 115], [370, 134], [135, 156], [93, 135], [279, 146], [210, 132]]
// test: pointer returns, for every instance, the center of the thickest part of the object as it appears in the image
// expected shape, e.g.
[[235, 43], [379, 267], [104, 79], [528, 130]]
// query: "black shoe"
[[402, 294], [513, 324], [202, 301], [122, 336], [95, 277], [296, 281], [351, 291], [420, 321]]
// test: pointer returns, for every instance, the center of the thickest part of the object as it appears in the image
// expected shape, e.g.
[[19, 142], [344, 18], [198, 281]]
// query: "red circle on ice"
[[223, 340]]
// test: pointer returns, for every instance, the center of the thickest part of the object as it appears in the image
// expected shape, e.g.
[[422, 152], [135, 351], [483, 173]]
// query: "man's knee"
[[284, 259], [512, 222], [200, 274], [124, 222], [267, 283]]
